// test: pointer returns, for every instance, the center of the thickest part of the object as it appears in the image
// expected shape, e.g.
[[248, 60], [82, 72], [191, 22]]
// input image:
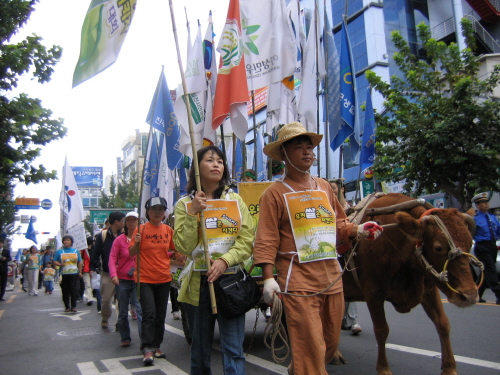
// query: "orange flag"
[[231, 93]]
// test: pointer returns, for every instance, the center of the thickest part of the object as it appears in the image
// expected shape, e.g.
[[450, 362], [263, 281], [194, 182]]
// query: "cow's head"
[[436, 249]]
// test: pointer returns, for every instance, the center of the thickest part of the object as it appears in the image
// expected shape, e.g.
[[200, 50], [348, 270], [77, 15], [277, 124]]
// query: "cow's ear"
[[409, 226]]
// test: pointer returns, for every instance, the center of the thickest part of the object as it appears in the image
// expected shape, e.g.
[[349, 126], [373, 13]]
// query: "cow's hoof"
[[338, 359]]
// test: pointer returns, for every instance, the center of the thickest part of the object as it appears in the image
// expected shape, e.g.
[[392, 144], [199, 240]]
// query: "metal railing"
[[448, 27]]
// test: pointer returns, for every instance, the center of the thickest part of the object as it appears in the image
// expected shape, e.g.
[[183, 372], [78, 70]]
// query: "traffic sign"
[[46, 204], [25, 207]]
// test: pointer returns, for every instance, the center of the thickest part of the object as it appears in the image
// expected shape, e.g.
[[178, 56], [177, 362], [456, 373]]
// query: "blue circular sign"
[[46, 204]]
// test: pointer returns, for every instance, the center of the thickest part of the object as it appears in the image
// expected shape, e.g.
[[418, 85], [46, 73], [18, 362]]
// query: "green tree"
[[440, 130], [25, 125]]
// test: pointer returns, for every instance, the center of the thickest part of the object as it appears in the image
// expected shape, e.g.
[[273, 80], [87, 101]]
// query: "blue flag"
[[347, 96], [332, 107], [30, 232], [151, 168], [368, 143], [238, 161], [260, 168], [161, 116]]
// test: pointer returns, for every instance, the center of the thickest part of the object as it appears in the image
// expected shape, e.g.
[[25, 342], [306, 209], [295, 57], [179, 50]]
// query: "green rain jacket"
[[186, 238]]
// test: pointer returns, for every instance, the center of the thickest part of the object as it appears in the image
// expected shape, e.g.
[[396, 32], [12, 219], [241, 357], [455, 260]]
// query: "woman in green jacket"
[[230, 231]]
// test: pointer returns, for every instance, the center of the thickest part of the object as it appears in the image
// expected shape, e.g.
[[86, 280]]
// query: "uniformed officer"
[[485, 248]]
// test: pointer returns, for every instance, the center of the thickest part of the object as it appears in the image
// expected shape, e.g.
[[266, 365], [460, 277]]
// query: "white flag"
[[195, 68], [313, 70], [165, 177], [70, 202], [282, 104], [294, 14], [268, 42]]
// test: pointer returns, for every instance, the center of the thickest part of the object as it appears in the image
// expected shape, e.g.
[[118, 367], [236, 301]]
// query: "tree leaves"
[[25, 125], [440, 122]]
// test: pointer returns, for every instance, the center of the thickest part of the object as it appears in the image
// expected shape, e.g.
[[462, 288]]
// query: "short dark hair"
[[116, 216], [48, 247], [68, 237]]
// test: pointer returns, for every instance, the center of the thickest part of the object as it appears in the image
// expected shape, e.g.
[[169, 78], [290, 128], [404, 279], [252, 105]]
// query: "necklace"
[[310, 186]]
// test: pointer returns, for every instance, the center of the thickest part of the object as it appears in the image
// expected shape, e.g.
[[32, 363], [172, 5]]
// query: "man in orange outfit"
[[312, 227]]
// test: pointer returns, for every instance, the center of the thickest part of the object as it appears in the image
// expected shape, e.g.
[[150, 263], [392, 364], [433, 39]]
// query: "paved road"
[[38, 338]]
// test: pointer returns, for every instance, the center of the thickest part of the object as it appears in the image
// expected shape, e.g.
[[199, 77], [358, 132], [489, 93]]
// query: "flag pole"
[[139, 208], [195, 157], [316, 10], [254, 135], [325, 95]]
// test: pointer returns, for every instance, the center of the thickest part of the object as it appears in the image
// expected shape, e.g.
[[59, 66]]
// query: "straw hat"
[[286, 133]]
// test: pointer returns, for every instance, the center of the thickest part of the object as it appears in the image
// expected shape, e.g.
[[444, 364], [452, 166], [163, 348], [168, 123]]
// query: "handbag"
[[236, 294]]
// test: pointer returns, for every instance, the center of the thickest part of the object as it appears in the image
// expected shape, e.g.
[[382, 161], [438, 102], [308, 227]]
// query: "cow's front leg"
[[434, 308], [376, 307]]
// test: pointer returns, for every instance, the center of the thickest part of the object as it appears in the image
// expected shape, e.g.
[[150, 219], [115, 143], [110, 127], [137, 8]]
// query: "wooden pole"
[[195, 158]]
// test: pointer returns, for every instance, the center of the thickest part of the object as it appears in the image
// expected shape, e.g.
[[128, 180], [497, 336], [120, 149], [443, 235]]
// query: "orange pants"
[[314, 330]]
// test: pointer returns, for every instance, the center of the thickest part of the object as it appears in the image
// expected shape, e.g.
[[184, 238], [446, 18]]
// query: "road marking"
[[271, 366], [458, 358], [72, 316], [114, 366], [11, 298], [1, 313]]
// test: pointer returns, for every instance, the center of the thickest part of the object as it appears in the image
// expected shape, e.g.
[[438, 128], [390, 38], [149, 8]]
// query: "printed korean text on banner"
[[103, 32], [368, 144], [231, 94], [222, 223], [70, 202], [268, 42], [347, 97], [313, 225], [161, 116]]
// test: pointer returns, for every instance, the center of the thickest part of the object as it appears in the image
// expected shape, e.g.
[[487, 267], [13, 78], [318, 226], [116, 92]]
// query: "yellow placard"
[[223, 224], [27, 202], [313, 224], [69, 261]]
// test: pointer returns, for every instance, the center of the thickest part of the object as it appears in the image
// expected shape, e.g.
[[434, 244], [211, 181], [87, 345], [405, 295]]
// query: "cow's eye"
[[438, 249]]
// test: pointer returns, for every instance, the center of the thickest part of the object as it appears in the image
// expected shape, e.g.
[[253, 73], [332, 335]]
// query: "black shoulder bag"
[[236, 294]]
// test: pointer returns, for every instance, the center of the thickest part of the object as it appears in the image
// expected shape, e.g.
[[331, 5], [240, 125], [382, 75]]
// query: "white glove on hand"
[[369, 230], [270, 287]]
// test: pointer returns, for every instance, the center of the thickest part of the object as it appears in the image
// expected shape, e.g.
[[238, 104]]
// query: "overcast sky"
[[101, 112]]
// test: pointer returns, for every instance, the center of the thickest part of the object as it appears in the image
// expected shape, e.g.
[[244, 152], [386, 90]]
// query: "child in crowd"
[[48, 277]]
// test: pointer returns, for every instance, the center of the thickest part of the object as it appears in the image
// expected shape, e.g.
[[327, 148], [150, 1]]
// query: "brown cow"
[[389, 270]]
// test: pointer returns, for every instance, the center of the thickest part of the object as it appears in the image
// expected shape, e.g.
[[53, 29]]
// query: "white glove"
[[369, 230], [270, 287]]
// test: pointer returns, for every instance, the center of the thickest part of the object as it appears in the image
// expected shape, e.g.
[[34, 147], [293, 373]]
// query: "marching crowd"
[[128, 259]]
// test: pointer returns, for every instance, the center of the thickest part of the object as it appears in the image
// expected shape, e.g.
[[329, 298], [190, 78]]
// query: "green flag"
[[104, 29]]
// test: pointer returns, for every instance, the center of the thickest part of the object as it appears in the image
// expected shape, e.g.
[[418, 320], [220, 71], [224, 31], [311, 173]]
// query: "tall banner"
[[313, 70], [103, 32], [151, 170], [166, 176], [332, 82], [268, 42], [231, 94], [347, 96], [161, 116], [368, 143], [70, 202]]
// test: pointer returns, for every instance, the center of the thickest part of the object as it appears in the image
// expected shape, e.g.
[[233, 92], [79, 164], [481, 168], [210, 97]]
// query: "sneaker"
[[104, 324], [176, 315], [134, 315], [50, 292], [148, 358], [125, 343], [355, 329], [159, 353], [481, 300], [74, 310], [89, 303], [35, 295], [67, 310]]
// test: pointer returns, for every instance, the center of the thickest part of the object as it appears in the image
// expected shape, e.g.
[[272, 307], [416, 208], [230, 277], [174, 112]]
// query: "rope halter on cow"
[[452, 254]]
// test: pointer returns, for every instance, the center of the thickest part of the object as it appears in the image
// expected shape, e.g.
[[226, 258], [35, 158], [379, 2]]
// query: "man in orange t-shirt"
[[151, 244]]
